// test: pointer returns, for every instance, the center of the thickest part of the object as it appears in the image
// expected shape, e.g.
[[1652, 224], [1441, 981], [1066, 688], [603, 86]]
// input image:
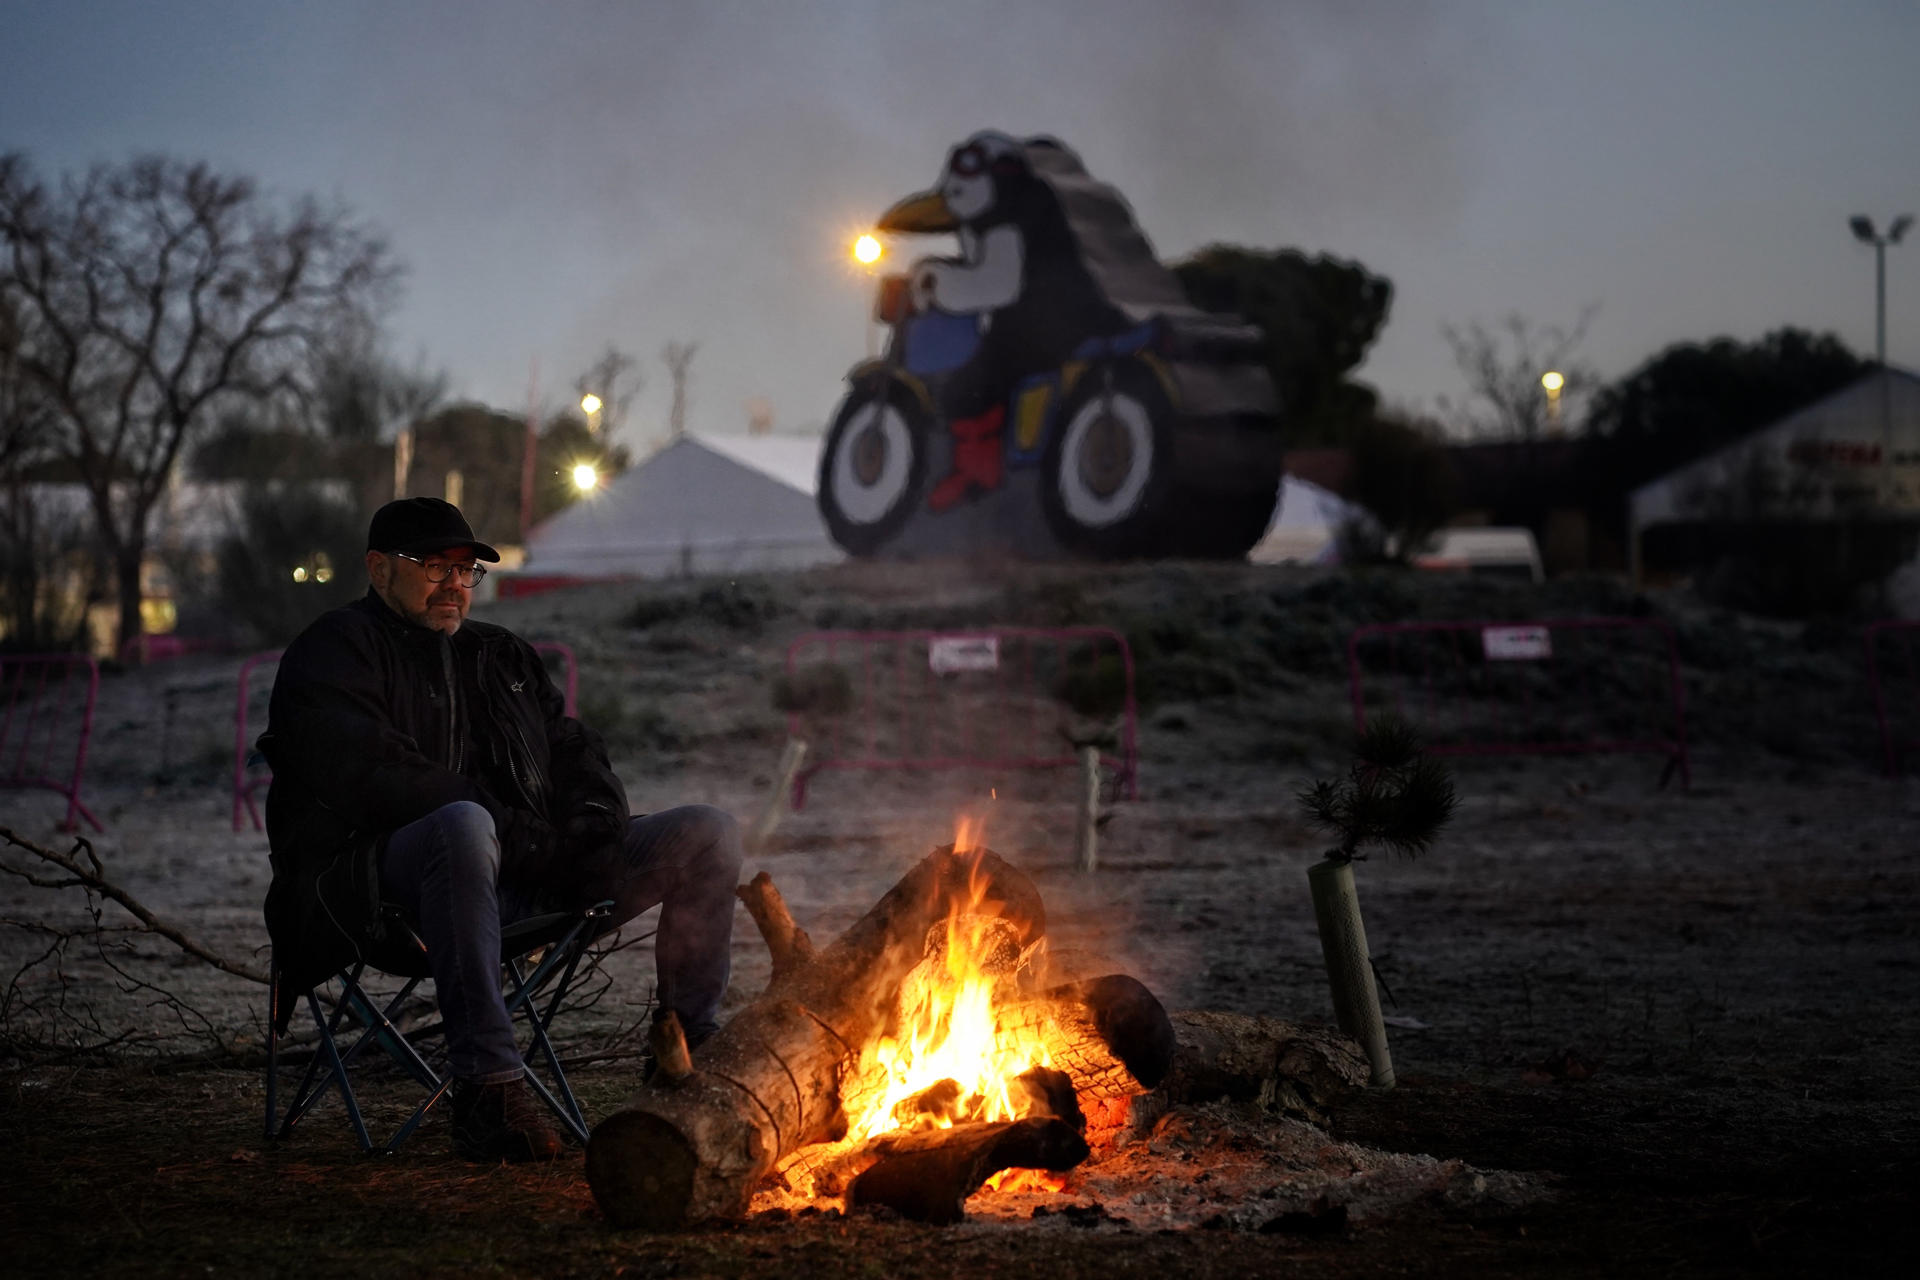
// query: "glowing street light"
[[1552, 382], [866, 250], [585, 477], [590, 403]]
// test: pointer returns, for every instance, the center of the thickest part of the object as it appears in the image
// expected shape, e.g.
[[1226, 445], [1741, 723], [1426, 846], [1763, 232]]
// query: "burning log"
[[1108, 1038], [1110, 1034], [768, 1083], [927, 1174]]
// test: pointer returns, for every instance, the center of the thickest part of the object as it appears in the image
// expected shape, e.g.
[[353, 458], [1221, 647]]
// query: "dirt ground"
[[1637, 1030]]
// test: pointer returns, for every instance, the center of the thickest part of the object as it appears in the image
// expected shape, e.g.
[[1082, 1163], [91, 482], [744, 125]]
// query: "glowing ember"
[[1029, 1180]]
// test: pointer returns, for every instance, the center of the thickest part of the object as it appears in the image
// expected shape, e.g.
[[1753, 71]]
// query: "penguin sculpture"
[[1019, 271]]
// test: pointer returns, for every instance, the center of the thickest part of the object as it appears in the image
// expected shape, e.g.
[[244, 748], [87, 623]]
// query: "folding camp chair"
[[540, 959]]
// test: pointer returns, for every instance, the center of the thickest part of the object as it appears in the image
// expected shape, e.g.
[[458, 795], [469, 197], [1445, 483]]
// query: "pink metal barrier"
[[47, 725], [250, 698], [1896, 688], [1547, 687], [570, 687], [994, 698]]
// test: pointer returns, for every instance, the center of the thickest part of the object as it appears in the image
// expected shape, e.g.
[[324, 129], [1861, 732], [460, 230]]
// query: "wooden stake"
[[1086, 830], [791, 758]]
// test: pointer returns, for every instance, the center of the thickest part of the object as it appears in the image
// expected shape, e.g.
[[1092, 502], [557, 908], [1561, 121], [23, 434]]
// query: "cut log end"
[[651, 1194]]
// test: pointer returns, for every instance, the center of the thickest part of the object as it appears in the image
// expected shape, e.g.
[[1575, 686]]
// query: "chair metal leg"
[[336, 1073], [565, 1107], [273, 1041], [562, 958]]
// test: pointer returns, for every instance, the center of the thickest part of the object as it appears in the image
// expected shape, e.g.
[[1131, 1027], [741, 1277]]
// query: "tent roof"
[[740, 497], [1306, 504], [792, 460]]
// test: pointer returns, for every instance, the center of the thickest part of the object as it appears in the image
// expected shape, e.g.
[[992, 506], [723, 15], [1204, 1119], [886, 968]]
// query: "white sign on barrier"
[[963, 653], [1516, 644]]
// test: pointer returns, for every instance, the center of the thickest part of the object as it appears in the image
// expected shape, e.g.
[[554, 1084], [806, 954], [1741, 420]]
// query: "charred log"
[[1282, 1067], [768, 1082], [1046, 1094], [928, 1174]]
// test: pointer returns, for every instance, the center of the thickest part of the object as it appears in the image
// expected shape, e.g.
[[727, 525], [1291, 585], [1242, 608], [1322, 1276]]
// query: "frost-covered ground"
[[1587, 972]]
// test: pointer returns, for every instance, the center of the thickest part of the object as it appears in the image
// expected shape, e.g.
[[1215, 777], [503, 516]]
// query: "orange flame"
[[946, 1028], [969, 834]]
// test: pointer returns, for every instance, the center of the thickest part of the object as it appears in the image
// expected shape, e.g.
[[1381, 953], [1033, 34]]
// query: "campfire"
[[934, 1049]]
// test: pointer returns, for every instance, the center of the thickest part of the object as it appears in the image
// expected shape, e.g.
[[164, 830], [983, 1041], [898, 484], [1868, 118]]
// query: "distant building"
[[1848, 460]]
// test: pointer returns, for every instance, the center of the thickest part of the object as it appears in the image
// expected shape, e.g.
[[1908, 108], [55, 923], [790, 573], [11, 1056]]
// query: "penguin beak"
[[924, 213]]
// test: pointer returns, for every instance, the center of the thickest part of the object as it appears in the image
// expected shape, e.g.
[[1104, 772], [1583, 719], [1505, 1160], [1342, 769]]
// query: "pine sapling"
[[1392, 795]]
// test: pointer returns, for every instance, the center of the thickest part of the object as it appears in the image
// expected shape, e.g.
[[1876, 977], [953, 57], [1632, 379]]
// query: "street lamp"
[[585, 477], [1552, 382], [590, 405], [1863, 231]]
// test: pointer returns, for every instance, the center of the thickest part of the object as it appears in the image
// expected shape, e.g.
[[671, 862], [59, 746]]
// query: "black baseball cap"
[[422, 526]]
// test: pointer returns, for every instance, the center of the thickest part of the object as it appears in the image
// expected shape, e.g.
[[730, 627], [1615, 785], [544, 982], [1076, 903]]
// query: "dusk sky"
[[559, 176]]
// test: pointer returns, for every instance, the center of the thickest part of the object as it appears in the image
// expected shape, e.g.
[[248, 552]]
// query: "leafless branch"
[[1503, 366], [84, 870]]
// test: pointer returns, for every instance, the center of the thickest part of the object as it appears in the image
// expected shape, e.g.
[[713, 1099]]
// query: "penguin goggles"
[[970, 160]]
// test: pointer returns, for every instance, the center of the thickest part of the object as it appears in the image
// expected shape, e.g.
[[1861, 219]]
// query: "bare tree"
[[42, 551], [615, 378], [152, 297], [678, 357], [1504, 367]]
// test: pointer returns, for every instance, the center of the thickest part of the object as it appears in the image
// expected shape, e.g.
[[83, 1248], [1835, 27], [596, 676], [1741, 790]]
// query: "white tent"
[[703, 504], [1306, 526]]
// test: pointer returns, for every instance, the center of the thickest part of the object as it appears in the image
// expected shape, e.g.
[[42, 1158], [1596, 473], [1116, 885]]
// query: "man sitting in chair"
[[424, 760]]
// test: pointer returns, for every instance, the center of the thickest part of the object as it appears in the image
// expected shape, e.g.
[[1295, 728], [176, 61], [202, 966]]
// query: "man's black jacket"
[[376, 722]]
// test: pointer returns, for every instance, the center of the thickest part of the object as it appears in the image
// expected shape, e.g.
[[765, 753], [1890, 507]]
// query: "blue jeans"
[[444, 870]]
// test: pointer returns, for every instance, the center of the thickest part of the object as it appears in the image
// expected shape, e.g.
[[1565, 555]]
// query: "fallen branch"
[[92, 877]]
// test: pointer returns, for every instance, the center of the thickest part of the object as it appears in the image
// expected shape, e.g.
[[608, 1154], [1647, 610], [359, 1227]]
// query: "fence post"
[[1086, 834], [791, 758]]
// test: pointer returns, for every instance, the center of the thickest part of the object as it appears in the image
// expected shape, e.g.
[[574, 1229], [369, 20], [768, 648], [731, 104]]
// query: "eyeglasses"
[[437, 570]]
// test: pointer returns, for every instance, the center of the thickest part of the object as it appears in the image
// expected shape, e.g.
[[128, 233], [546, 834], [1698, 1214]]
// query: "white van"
[[1497, 550]]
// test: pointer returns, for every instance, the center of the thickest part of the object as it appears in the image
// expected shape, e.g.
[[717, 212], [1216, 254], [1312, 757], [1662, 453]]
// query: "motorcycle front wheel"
[[872, 466]]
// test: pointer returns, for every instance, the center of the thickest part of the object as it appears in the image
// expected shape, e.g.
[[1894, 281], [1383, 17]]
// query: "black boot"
[[494, 1122]]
